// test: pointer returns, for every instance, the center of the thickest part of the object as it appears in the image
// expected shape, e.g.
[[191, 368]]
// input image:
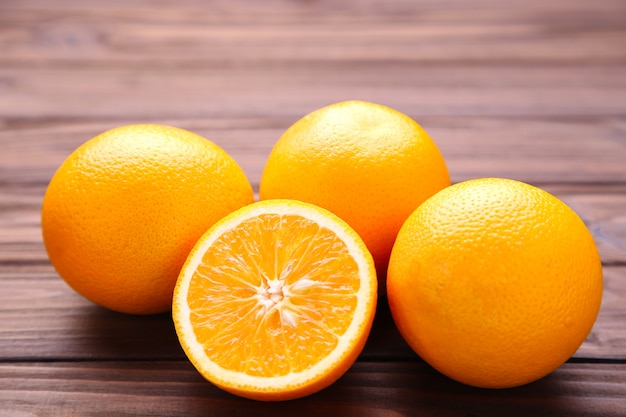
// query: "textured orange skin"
[[123, 211], [495, 283], [367, 163]]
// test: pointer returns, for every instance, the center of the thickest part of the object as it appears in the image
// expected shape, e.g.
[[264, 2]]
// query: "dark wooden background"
[[531, 90]]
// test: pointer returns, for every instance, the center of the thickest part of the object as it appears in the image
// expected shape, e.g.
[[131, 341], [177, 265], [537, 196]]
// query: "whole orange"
[[367, 163], [494, 282], [122, 212]]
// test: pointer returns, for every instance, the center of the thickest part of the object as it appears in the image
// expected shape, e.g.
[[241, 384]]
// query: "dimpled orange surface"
[[494, 282], [367, 163], [122, 212]]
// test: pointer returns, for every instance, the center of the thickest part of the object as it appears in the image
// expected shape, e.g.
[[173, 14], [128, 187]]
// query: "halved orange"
[[276, 300]]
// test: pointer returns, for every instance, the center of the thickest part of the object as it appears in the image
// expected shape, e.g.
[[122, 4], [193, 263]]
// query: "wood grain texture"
[[601, 207], [216, 59], [539, 150], [533, 90], [44, 319], [167, 388]]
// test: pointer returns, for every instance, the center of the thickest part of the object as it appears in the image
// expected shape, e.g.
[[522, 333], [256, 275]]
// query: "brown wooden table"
[[533, 90]]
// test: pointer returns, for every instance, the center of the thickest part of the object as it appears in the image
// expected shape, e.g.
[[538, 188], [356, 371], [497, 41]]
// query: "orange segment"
[[276, 301]]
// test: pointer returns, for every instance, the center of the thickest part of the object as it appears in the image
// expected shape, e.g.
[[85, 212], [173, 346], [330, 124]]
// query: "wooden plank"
[[562, 150], [322, 32], [601, 207], [609, 328], [271, 91], [358, 7], [369, 388], [606, 219], [42, 318], [196, 61]]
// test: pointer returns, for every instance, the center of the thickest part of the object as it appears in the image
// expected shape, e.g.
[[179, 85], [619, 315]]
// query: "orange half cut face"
[[276, 301]]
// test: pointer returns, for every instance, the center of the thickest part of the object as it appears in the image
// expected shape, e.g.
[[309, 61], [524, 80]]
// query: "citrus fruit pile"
[[493, 282]]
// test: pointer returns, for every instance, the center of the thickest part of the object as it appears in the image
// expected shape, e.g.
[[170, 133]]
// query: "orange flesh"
[[273, 295]]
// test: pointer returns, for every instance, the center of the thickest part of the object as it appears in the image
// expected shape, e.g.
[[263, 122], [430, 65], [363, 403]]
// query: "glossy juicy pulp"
[[273, 295]]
